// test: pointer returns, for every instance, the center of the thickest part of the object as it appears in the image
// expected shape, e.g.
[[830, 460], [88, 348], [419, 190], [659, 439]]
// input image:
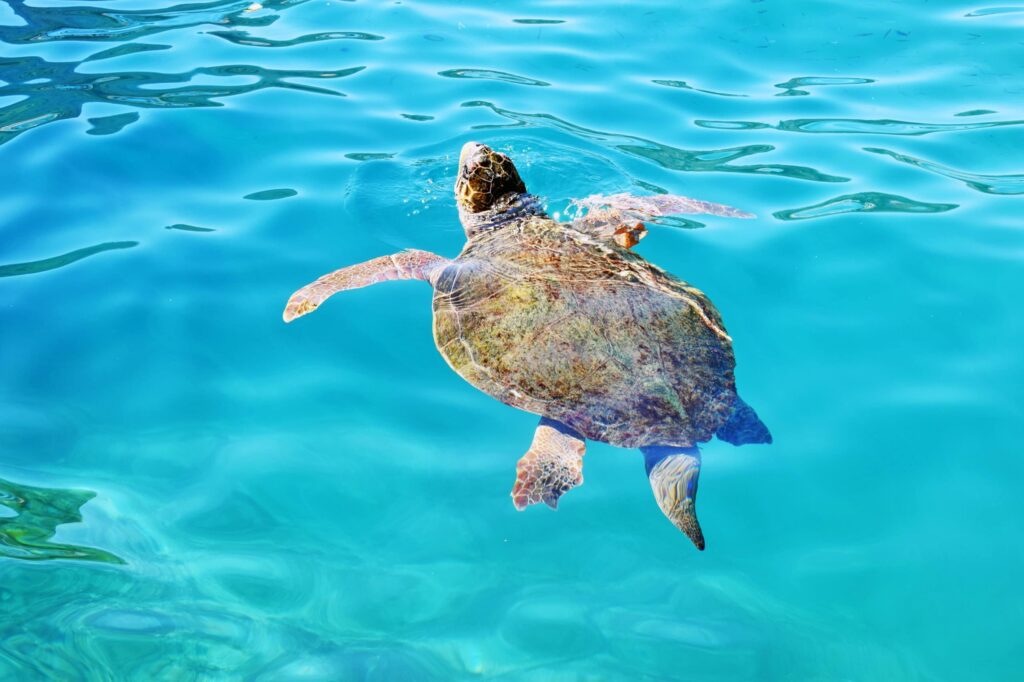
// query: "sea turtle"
[[563, 320]]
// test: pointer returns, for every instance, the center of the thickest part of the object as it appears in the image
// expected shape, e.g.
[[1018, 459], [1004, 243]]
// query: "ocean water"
[[191, 490]]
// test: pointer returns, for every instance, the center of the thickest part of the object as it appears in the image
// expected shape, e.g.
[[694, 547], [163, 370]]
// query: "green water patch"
[[29, 520], [863, 202], [271, 194], [36, 266]]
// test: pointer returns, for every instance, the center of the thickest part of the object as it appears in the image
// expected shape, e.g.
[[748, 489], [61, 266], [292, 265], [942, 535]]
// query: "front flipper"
[[620, 217], [673, 472], [409, 264], [552, 465]]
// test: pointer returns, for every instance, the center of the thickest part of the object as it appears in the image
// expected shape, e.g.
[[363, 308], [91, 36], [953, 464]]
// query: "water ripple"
[[36, 266], [666, 156], [189, 228], [863, 202], [36, 514], [793, 87], [539, 21], [491, 75], [369, 156], [854, 125], [101, 24], [989, 11], [244, 480], [244, 38], [54, 90], [989, 184], [683, 85], [108, 125], [976, 112], [124, 50], [271, 194]]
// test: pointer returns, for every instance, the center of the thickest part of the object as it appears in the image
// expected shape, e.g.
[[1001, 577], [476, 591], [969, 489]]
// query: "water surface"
[[193, 490]]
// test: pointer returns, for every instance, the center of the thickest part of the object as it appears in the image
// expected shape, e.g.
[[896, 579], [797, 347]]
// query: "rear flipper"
[[744, 426], [552, 466], [674, 472]]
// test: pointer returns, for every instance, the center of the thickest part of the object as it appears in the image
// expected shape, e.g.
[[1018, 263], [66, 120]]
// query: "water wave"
[[683, 85], [292, 507], [492, 75], [796, 86], [989, 184], [54, 262], [666, 156], [108, 125], [863, 202], [53, 91], [271, 194], [245, 38], [88, 22], [991, 11], [541, 22], [854, 126], [189, 228]]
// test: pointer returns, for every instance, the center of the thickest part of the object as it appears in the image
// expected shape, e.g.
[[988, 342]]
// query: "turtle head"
[[486, 178]]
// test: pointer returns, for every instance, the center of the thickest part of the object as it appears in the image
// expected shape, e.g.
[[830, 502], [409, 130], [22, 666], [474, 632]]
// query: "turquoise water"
[[191, 490]]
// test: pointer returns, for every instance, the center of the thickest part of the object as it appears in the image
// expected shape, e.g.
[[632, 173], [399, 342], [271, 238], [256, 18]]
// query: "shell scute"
[[547, 320]]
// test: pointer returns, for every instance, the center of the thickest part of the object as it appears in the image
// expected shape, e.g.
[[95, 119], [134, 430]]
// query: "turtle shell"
[[550, 320]]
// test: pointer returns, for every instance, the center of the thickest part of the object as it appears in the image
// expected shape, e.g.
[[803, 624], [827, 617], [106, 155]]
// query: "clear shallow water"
[[328, 501]]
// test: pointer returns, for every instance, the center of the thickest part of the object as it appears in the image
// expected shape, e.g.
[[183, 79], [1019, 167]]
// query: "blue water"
[[191, 490]]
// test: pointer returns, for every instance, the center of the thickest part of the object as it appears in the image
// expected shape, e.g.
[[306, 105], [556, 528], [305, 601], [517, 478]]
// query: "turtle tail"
[[744, 426]]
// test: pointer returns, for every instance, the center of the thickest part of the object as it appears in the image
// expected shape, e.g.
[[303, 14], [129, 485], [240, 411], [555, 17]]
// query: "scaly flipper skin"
[[620, 217], [409, 264], [674, 473], [552, 466]]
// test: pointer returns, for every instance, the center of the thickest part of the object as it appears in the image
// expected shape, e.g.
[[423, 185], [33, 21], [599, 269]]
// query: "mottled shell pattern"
[[555, 321]]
